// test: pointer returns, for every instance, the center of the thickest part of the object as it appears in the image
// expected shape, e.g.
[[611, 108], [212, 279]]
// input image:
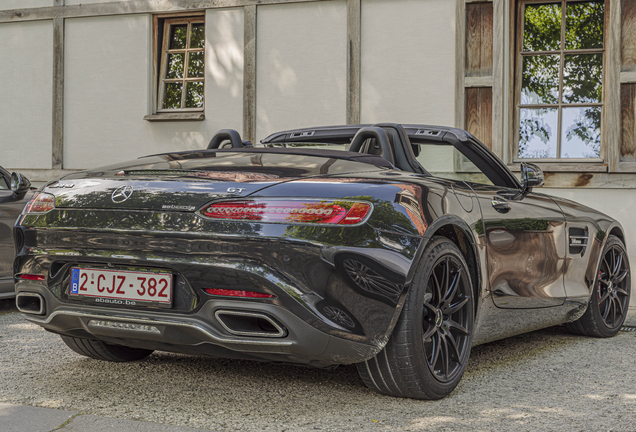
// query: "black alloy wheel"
[[607, 308], [428, 351], [612, 287], [446, 318]]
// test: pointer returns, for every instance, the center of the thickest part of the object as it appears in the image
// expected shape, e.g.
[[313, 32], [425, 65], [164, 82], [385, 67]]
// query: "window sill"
[[196, 116], [564, 168]]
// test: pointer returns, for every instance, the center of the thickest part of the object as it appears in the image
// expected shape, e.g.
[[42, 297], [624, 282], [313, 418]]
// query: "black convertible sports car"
[[393, 247]]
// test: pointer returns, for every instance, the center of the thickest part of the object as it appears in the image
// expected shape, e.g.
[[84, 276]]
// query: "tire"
[[607, 309], [102, 351], [419, 360]]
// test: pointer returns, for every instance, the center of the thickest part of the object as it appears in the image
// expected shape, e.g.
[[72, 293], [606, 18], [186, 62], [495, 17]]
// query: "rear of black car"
[[241, 254]]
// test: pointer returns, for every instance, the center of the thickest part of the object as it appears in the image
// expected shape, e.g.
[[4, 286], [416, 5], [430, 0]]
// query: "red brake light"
[[237, 293], [40, 203], [32, 277], [289, 211]]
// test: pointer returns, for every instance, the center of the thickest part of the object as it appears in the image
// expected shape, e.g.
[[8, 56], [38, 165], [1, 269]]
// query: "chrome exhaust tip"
[[250, 324], [30, 303]]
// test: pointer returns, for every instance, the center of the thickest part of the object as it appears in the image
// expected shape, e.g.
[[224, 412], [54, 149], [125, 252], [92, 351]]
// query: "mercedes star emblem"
[[122, 193]]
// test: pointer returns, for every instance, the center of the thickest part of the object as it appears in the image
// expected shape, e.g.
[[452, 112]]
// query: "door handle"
[[500, 205]]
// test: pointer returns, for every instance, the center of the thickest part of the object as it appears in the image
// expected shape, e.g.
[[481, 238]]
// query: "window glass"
[[542, 27], [540, 80], [445, 161], [182, 65], [560, 70], [584, 25], [537, 133]]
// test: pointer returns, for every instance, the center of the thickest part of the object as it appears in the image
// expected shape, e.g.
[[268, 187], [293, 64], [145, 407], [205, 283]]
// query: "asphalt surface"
[[546, 380]]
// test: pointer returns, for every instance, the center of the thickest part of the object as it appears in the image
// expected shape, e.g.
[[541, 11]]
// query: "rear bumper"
[[200, 332]]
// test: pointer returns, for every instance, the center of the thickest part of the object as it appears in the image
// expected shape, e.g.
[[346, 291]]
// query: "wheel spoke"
[[619, 278], [608, 306], [450, 310], [431, 309], [621, 291], [436, 350], [429, 332], [453, 346], [620, 310], [455, 325], [607, 266], [454, 285], [446, 281], [603, 298], [438, 287], [445, 354], [617, 266]]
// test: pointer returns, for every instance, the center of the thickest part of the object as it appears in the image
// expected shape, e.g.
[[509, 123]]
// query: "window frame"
[[161, 25], [517, 72]]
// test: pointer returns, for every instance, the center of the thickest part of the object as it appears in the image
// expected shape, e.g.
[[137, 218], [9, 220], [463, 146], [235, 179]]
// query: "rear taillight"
[[40, 203], [237, 293], [289, 211]]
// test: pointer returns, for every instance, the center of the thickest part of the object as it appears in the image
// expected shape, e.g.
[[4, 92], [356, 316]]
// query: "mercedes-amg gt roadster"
[[395, 248]]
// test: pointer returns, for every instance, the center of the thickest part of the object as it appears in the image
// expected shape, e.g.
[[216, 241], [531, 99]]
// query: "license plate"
[[125, 287]]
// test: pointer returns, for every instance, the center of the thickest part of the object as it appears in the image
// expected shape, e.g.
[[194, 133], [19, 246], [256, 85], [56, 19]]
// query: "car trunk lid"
[[187, 181]]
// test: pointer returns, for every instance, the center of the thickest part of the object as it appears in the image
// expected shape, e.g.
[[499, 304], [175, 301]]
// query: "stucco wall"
[[26, 81], [408, 61], [620, 204], [24, 4], [301, 66], [107, 89]]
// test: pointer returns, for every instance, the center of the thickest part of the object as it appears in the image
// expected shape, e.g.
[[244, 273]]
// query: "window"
[[181, 76], [559, 79]]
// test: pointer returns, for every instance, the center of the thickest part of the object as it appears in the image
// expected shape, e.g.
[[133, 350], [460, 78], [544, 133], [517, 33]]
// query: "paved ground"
[[547, 380]]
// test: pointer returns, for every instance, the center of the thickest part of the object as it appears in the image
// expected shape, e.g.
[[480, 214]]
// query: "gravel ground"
[[546, 380]]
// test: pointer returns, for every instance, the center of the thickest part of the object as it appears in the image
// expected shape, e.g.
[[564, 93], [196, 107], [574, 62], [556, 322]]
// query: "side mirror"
[[19, 185], [531, 176]]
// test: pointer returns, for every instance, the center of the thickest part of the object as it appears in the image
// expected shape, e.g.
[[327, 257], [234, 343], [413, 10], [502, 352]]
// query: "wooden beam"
[[130, 7], [249, 73], [628, 35], [628, 77], [196, 116], [498, 51], [628, 125], [460, 46], [57, 149], [612, 129], [485, 81], [354, 54]]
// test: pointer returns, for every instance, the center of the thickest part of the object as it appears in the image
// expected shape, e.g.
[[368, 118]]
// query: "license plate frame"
[[118, 292]]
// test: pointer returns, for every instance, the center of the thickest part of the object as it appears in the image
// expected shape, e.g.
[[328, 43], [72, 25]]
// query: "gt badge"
[[237, 191]]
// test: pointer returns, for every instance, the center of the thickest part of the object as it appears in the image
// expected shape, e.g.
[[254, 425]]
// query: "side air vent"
[[578, 240], [427, 132], [302, 134]]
